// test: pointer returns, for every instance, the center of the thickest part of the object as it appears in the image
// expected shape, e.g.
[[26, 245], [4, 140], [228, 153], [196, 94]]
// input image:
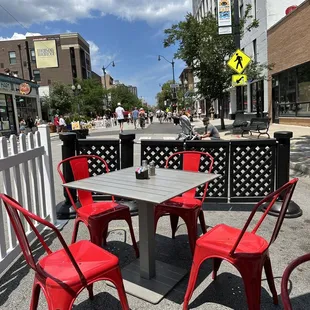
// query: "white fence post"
[[48, 172]]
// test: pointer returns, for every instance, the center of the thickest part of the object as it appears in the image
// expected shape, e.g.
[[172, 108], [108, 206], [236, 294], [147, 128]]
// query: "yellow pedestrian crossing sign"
[[239, 80], [239, 61]]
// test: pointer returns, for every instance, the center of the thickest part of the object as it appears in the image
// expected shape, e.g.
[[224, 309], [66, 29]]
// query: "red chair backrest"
[[284, 283], [80, 170], [15, 210], [192, 162], [285, 193]]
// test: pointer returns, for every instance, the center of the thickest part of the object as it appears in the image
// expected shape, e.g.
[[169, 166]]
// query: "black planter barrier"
[[249, 169]]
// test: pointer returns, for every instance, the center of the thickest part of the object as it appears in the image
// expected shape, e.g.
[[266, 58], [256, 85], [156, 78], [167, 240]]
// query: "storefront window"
[[245, 98], [6, 113], [26, 107], [254, 97]]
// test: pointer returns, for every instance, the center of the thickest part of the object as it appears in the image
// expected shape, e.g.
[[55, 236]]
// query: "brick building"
[[288, 50], [46, 59]]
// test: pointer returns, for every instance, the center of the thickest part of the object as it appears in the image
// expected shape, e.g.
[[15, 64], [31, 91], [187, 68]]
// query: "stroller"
[[187, 130]]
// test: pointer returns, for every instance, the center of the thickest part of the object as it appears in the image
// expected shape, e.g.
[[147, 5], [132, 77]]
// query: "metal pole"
[[173, 76], [237, 43]]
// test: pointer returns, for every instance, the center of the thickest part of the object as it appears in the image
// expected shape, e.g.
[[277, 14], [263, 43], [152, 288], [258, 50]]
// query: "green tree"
[[91, 97], [61, 98], [165, 96], [125, 97], [207, 52]]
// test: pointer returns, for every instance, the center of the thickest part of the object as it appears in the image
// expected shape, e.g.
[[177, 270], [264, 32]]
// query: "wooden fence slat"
[[17, 185], [33, 176], [41, 188], [25, 177], [7, 188]]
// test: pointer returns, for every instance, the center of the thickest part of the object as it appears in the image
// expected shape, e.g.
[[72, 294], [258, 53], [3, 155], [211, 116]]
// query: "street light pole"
[[104, 76], [76, 90]]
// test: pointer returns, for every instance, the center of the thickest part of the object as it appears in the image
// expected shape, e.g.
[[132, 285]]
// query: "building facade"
[[19, 99], [107, 81], [46, 59], [133, 90], [255, 96], [288, 50]]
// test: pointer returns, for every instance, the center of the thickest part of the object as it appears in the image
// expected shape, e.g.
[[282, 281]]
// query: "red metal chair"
[[284, 284], [95, 215], [186, 206], [248, 252], [63, 274]]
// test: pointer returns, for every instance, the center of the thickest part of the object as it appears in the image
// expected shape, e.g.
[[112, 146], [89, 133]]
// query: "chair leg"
[[75, 230], [191, 224], [115, 277], [105, 234], [35, 295], [216, 266], [197, 260], [270, 280], [174, 220], [133, 238], [202, 222], [90, 291], [252, 278]]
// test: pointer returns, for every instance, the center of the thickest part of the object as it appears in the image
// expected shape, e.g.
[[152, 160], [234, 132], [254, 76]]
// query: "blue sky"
[[130, 32]]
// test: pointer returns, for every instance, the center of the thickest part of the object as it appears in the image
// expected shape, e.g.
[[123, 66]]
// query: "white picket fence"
[[27, 175]]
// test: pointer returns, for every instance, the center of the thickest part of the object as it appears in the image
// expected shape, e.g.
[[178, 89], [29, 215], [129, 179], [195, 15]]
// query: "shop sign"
[[25, 89], [5, 86]]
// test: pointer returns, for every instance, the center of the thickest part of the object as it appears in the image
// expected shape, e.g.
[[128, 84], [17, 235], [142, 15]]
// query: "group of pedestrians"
[[29, 125], [60, 123], [136, 117]]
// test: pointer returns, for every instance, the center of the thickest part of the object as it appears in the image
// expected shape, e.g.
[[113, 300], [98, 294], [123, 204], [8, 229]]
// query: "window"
[[255, 50], [36, 75], [12, 58], [33, 55]]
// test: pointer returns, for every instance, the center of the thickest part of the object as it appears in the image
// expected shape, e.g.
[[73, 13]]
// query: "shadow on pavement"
[[20, 269]]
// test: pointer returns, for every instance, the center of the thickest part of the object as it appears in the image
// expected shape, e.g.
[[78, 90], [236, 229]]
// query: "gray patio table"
[[146, 278]]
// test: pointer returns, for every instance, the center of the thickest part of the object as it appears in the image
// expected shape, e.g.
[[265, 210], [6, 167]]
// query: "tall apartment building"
[[133, 90], [107, 81], [254, 43], [47, 59]]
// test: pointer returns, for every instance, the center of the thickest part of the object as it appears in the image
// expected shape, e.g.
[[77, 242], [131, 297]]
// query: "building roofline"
[[73, 35], [12, 79], [290, 15]]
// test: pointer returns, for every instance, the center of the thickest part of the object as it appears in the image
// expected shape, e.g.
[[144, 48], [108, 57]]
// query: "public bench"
[[257, 125], [241, 119]]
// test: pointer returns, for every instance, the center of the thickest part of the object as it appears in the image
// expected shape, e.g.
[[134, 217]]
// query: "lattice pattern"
[[252, 169], [159, 151], [218, 188], [108, 150]]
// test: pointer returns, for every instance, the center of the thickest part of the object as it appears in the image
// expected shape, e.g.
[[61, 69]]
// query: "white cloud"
[[20, 36], [99, 59], [71, 10]]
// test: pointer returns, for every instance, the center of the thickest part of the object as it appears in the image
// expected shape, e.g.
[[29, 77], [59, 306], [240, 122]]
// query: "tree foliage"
[[165, 95], [121, 94], [207, 52]]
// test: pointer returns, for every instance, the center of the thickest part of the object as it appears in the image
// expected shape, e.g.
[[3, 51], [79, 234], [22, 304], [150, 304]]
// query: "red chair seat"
[[100, 208], [91, 259], [185, 202], [222, 238]]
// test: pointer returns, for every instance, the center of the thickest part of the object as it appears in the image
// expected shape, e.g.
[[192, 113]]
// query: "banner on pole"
[[224, 16]]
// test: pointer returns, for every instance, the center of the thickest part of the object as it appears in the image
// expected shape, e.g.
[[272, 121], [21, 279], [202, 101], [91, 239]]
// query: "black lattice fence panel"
[[252, 169], [159, 151], [219, 150], [109, 150]]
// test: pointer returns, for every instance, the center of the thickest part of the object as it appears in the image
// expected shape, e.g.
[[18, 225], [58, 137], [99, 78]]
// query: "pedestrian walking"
[[135, 116], [151, 114], [56, 123], [62, 123], [211, 111], [199, 112], [142, 118], [120, 116]]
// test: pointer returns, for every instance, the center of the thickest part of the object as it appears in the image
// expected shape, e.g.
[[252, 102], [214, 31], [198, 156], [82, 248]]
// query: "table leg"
[[146, 240], [146, 278]]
